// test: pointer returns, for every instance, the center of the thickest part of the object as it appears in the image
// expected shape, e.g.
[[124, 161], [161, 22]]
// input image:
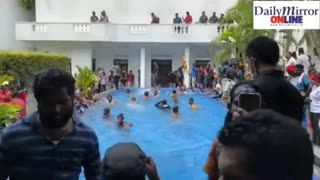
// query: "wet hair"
[[49, 81], [174, 91], [109, 96], [106, 110], [133, 98], [128, 90], [264, 50], [164, 102], [191, 99], [275, 143], [121, 115], [146, 93], [155, 92], [175, 109]]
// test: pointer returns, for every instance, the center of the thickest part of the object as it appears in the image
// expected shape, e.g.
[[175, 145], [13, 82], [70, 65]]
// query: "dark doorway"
[[123, 64], [165, 66], [201, 62]]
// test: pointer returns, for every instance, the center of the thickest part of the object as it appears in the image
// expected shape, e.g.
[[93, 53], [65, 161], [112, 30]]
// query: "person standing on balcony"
[[204, 18], [213, 18], [177, 20], [94, 18], [188, 19], [155, 19], [104, 18], [222, 20]]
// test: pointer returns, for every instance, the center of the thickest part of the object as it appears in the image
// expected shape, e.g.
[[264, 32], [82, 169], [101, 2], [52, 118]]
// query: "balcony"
[[157, 33]]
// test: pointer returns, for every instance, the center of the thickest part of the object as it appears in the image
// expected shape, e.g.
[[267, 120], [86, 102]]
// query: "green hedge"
[[24, 65]]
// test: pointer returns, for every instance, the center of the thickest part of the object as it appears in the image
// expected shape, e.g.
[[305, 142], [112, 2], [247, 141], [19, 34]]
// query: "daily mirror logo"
[[286, 14]]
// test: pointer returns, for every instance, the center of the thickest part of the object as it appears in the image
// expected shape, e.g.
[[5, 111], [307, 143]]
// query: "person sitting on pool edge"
[[110, 100], [133, 100], [176, 114], [193, 106], [146, 96], [127, 161], [121, 123], [175, 97], [163, 105], [106, 114]]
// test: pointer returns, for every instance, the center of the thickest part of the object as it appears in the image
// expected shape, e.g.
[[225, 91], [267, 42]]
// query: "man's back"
[[279, 94], [27, 154]]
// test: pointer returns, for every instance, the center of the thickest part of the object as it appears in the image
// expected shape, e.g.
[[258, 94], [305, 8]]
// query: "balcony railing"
[[201, 33]]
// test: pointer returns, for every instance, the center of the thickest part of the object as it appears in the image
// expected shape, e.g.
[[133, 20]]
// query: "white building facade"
[[62, 26]]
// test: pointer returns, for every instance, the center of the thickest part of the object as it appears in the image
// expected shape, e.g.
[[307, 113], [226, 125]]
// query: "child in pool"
[[175, 97], [193, 106], [121, 123], [176, 114]]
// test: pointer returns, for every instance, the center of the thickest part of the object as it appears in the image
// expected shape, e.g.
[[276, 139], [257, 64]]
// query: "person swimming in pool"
[[175, 97], [156, 93], [163, 105], [133, 100], [128, 92], [106, 114], [146, 96], [110, 100], [176, 114], [193, 106], [121, 123]]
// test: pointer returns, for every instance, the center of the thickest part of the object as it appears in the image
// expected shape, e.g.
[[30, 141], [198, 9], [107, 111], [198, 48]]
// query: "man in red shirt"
[[188, 19], [5, 93], [130, 79]]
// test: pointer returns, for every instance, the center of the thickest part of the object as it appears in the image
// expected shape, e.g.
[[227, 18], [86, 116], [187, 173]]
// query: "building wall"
[[125, 11], [10, 13]]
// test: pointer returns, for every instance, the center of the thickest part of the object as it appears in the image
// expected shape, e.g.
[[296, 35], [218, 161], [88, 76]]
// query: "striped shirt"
[[25, 154]]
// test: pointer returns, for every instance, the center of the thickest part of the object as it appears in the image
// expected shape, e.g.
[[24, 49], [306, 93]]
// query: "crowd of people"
[[265, 143], [14, 96]]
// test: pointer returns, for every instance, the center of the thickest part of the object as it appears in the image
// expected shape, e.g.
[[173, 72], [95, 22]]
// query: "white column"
[[142, 67], [81, 57], [186, 74]]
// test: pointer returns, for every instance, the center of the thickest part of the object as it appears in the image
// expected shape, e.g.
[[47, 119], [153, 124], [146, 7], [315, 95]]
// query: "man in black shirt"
[[277, 93]]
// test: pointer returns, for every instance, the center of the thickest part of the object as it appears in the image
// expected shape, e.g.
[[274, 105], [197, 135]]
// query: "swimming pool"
[[179, 147]]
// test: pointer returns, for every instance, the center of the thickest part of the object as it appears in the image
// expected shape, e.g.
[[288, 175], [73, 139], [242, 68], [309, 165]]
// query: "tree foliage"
[[85, 79], [241, 32], [24, 65], [8, 113], [28, 4]]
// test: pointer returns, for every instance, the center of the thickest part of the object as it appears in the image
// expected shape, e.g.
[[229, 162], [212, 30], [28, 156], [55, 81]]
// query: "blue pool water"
[[179, 147]]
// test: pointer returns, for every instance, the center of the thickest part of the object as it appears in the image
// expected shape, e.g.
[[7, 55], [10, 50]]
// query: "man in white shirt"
[[303, 60]]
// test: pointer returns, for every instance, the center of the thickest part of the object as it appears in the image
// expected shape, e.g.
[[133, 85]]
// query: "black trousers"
[[314, 118]]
